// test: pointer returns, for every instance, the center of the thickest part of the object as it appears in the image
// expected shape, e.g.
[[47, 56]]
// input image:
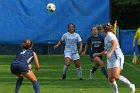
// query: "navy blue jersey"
[[96, 44], [25, 56]]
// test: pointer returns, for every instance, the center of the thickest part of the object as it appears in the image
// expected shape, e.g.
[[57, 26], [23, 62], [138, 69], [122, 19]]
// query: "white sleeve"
[[63, 37], [79, 38], [112, 37]]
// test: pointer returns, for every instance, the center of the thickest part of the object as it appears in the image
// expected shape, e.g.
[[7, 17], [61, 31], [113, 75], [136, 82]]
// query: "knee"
[[111, 79], [67, 64], [77, 66], [117, 77]]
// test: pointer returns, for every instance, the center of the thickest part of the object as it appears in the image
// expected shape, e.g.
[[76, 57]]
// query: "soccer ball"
[[51, 7]]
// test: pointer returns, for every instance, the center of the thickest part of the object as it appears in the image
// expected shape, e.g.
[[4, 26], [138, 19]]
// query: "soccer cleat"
[[63, 76], [91, 74], [132, 88], [80, 79]]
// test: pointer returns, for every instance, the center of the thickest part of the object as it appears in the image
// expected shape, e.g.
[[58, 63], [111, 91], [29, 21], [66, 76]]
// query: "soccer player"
[[71, 50], [137, 36], [115, 59], [96, 44], [21, 66]]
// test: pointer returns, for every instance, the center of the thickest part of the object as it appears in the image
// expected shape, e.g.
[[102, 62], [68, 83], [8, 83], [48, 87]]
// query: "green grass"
[[49, 77]]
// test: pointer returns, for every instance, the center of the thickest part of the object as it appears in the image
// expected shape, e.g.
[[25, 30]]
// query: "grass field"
[[49, 77]]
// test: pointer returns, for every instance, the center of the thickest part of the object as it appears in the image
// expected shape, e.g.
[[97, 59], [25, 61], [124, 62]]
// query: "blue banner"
[[126, 39], [29, 19]]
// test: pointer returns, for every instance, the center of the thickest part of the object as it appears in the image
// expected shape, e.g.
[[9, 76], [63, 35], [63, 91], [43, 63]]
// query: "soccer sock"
[[104, 71], [18, 84], [125, 80], [79, 72], [65, 69], [94, 69], [36, 86], [114, 86]]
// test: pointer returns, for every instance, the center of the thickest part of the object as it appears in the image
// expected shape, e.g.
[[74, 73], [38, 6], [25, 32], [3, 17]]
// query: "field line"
[[132, 66]]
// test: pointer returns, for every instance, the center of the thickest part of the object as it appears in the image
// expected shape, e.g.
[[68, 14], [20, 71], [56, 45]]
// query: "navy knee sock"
[[18, 84], [94, 69], [36, 86], [104, 71]]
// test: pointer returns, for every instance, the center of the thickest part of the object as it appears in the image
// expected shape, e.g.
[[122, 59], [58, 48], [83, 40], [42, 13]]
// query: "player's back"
[[25, 56]]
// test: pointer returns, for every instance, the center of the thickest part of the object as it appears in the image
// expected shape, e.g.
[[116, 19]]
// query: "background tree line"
[[126, 12]]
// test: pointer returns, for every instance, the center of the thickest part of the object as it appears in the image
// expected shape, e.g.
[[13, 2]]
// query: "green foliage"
[[125, 1], [127, 13]]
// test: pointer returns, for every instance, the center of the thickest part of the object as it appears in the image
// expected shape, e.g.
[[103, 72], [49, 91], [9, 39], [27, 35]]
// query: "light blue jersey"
[[71, 41]]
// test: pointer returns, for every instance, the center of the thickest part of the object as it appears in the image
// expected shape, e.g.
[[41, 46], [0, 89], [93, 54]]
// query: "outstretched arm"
[[80, 47], [58, 44], [36, 61], [85, 49]]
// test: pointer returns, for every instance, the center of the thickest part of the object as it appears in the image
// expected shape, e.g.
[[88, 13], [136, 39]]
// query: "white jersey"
[[108, 44], [71, 41]]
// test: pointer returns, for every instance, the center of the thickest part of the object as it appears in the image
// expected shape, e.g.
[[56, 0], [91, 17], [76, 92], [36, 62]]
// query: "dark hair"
[[27, 44], [108, 27], [73, 26], [99, 27]]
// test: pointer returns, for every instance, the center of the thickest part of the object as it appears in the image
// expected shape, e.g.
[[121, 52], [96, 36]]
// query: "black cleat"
[[80, 79], [63, 76]]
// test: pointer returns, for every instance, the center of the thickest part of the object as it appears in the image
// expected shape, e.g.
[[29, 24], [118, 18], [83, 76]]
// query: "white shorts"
[[115, 63], [72, 56]]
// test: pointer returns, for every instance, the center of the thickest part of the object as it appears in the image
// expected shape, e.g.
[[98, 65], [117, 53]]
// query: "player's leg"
[[93, 70], [112, 81], [30, 75], [18, 83], [78, 68], [101, 64], [66, 66], [116, 74], [18, 69], [76, 59]]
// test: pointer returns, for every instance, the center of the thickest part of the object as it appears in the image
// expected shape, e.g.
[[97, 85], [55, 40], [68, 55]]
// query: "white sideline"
[[132, 66]]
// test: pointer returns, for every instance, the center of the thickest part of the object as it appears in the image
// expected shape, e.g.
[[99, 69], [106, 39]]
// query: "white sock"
[[125, 80], [65, 69], [114, 86], [79, 72]]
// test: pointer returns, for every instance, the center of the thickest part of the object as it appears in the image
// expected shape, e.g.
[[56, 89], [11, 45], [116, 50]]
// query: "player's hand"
[[37, 68], [83, 53], [80, 51], [30, 66], [55, 46], [109, 55]]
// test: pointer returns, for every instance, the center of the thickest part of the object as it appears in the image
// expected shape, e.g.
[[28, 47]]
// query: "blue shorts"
[[19, 68]]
